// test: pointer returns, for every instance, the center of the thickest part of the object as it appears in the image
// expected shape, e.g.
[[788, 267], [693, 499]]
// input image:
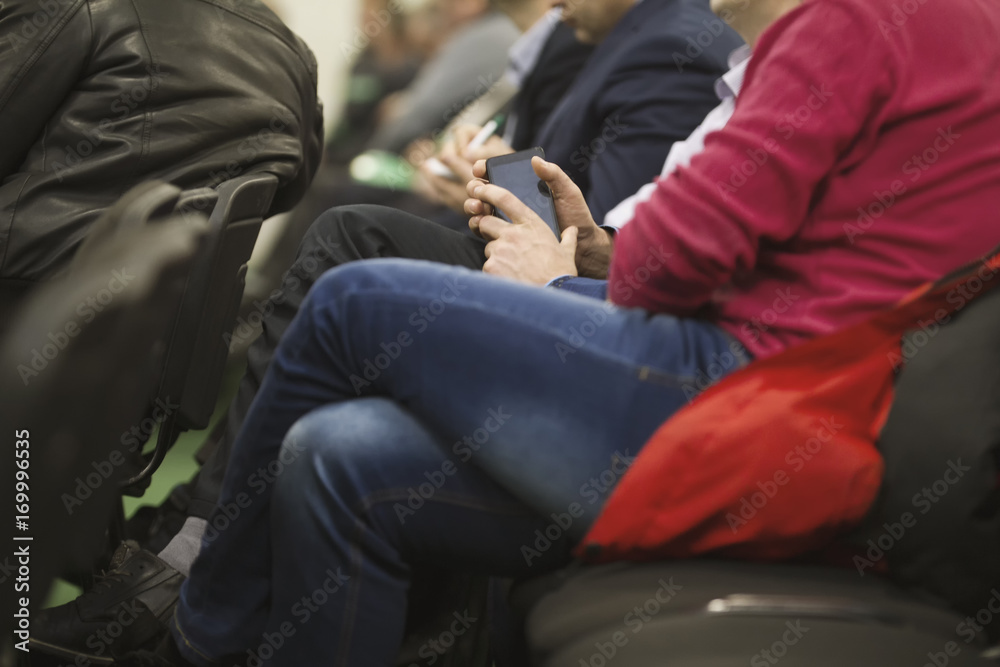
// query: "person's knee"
[[308, 444], [384, 275], [329, 226], [344, 229], [323, 245], [339, 443], [336, 237]]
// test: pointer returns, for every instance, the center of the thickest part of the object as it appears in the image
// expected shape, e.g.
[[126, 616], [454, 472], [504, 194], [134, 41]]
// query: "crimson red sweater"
[[862, 160]]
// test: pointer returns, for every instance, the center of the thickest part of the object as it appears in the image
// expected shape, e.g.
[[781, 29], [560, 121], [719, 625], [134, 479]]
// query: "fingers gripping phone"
[[514, 173]]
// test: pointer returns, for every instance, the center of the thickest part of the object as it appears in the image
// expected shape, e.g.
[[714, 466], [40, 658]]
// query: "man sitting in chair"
[[96, 97], [489, 382]]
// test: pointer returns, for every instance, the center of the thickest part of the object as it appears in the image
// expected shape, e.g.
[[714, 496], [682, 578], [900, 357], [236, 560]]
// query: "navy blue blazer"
[[561, 60], [648, 84]]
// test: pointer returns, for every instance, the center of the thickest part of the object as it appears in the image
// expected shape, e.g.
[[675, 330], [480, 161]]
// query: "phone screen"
[[514, 173]]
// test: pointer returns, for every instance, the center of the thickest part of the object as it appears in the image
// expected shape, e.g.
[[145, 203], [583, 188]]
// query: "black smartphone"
[[513, 172]]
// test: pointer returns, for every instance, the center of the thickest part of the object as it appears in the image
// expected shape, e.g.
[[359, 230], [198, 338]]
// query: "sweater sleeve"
[[818, 77]]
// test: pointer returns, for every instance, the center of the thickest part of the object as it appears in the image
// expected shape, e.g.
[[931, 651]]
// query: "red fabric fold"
[[778, 458]]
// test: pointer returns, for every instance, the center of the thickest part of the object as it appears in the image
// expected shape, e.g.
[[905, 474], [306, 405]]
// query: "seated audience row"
[[848, 162]]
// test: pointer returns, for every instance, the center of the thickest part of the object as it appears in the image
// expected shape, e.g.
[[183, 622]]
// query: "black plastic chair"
[[197, 351], [101, 332], [733, 614]]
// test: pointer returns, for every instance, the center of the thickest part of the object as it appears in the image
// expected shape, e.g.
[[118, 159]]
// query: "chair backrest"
[[197, 201], [937, 522], [79, 368], [208, 312]]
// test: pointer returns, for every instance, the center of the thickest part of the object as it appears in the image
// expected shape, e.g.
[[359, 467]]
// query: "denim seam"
[[187, 642], [353, 594]]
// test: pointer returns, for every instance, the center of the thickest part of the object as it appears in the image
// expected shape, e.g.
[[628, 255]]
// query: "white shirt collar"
[[731, 82]]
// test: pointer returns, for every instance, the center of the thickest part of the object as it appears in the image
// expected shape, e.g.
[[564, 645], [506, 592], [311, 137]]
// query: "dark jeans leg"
[[341, 235], [549, 394]]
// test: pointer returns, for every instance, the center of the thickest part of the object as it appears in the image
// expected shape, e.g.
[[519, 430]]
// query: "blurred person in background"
[[461, 47], [540, 67], [643, 89], [385, 65], [472, 40], [649, 83], [96, 97]]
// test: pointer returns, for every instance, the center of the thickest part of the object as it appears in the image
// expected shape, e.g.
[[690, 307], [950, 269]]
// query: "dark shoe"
[[127, 610]]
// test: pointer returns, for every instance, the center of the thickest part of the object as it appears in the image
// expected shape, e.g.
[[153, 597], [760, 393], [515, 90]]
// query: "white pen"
[[483, 134], [439, 168]]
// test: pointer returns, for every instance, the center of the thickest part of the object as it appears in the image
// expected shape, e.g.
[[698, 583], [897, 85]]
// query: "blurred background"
[[328, 27]]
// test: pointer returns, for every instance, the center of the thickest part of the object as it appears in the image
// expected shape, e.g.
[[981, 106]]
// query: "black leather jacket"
[[98, 95]]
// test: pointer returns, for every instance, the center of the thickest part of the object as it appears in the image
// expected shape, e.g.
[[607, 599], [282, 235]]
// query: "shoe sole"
[[69, 654]]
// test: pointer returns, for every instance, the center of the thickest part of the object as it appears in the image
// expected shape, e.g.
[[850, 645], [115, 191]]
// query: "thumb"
[[557, 180], [568, 241]]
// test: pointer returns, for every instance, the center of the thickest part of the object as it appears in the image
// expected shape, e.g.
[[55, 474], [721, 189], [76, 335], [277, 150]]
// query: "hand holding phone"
[[514, 173]]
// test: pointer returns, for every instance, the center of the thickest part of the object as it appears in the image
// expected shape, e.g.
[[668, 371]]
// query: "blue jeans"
[[416, 414]]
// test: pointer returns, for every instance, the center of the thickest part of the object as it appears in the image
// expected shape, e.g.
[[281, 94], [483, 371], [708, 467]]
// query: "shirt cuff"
[[595, 289]]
